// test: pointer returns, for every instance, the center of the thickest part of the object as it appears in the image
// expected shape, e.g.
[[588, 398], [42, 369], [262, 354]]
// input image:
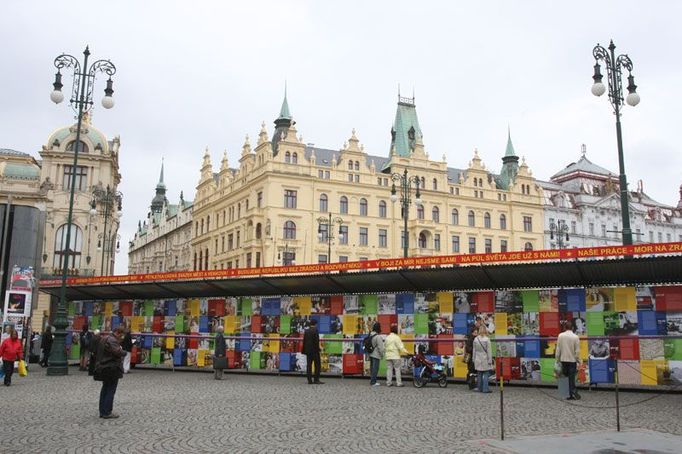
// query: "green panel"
[[255, 360], [148, 308], [547, 370], [179, 323], [333, 348], [285, 324], [156, 355], [75, 351], [493, 346], [611, 322], [421, 323], [246, 306], [71, 310], [595, 323], [369, 304], [95, 322], [673, 349], [530, 300]]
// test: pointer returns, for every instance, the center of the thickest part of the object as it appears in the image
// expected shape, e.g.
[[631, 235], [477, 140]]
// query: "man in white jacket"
[[568, 354]]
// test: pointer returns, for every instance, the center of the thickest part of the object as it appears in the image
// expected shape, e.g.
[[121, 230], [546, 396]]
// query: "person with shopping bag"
[[10, 351]]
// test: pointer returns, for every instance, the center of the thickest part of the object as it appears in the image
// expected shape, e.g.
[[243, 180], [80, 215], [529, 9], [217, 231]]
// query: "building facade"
[[163, 240], [274, 206], [585, 198]]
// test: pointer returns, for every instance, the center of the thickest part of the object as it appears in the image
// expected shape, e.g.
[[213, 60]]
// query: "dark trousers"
[[46, 356], [8, 369], [373, 369], [313, 358], [106, 397], [569, 369]]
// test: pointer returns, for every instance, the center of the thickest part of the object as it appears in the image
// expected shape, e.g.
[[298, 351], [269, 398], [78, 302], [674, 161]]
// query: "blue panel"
[[461, 323], [357, 345], [69, 339], [115, 321], [170, 308], [404, 303], [575, 299], [147, 341], [270, 306], [532, 349], [520, 349], [87, 308], [243, 344], [203, 324], [177, 357], [324, 324], [285, 363], [601, 370], [436, 359], [646, 321], [661, 323]]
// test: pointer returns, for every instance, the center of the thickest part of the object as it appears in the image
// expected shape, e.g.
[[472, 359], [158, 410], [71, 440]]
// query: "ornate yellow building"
[[275, 206]]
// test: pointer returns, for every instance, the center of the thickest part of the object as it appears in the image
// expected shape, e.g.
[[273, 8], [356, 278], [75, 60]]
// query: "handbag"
[[219, 362], [22, 368]]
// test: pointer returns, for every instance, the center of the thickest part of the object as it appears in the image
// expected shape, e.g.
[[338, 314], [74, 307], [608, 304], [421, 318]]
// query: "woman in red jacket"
[[10, 351]]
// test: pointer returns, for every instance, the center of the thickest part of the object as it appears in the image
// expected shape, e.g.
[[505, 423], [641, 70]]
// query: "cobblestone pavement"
[[163, 411]]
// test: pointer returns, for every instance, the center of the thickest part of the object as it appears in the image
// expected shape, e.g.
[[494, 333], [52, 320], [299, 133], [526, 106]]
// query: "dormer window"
[[410, 133], [56, 143], [83, 148]]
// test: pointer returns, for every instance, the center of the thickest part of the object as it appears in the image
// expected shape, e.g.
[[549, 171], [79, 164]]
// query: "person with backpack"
[[373, 346], [85, 339]]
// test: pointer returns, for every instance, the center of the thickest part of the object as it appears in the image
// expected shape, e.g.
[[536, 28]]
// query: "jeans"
[[106, 397], [391, 365], [483, 381], [313, 358], [569, 369], [373, 369], [8, 368]]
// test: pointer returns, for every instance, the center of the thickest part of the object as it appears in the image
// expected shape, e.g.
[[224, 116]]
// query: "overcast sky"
[[192, 75]]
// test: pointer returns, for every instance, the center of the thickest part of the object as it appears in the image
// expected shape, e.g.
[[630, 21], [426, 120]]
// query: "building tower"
[[159, 199]]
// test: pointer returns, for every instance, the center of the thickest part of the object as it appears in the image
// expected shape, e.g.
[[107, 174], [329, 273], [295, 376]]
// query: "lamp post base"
[[58, 370]]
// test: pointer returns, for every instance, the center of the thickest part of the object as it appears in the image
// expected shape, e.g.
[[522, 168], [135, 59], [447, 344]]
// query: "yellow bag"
[[22, 369]]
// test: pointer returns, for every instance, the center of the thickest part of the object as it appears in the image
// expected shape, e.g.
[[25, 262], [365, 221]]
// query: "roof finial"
[[161, 176], [583, 150]]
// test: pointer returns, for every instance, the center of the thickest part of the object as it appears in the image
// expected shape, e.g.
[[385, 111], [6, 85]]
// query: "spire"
[[224, 165], [510, 165], [284, 111], [510, 148], [159, 200], [161, 184], [282, 124], [405, 133]]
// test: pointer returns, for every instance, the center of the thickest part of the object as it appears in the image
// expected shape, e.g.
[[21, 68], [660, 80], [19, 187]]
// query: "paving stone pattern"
[[163, 411]]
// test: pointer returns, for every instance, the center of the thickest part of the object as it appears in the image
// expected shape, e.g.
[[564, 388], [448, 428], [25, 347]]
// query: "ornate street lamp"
[[324, 232], [614, 67], [405, 181], [111, 202], [81, 102], [560, 230]]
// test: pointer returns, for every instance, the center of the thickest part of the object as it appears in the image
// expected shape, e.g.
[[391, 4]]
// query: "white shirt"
[[568, 347]]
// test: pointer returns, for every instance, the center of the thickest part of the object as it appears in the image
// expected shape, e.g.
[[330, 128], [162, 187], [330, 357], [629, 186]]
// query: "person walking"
[[376, 354], [10, 351], [311, 349], [219, 351], [46, 345], [393, 347], [127, 345], [469, 357], [85, 338], [109, 370], [567, 353], [483, 360]]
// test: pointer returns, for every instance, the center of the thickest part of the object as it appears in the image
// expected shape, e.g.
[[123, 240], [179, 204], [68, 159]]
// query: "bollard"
[[501, 381]]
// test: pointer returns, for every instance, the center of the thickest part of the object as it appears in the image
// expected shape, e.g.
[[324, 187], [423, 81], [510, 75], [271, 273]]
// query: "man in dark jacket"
[[311, 348], [46, 345], [109, 370], [219, 351]]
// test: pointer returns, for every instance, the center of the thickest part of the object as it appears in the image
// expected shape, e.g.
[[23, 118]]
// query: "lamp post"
[[327, 222], [81, 102], [405, 181], [614, 67], [111, 202], [560, 230]]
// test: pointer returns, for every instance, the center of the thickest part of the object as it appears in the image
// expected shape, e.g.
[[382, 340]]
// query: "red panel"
[[445, 348], [549, 324], [157, 324], [485, 301], [134, 358], [126, 308], [352, 364], [337, 305], [256, 324], [291, 346], [386, 320], [78, 322], [193, 341], [629, 349], [669, 299], [234, 359]]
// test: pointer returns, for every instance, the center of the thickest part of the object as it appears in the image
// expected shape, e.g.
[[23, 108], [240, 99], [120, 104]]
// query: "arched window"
[[528, 247], [343, 205], [259, 230], [420, 211], [422, 184], [486, 220], [454, 217], [195, 261], [289, 230], [287, 157], [201, 259], [82, 149], [435, 184], [357, 165], [206, 260], [324, 205], [435, 214], [472, 219], [294, 158], [422, 240], [382, 209], [503, 222], [363, 207], [74, 249], [202, 226], [350, 165]]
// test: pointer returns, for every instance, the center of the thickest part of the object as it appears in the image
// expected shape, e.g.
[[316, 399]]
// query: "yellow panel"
[[201, 357], [501, 323], [194, 307], [350, 325], [445, 301], [232, 324], [304, 305], [647, 368], [625, 299], [170, 341], [584, 349], [460, 369], [551, 347], [136, 323], [108, 309], [409, 346], [273, 345]]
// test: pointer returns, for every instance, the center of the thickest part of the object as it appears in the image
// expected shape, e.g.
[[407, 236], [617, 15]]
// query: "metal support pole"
[[501, 381], [615, 373]]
